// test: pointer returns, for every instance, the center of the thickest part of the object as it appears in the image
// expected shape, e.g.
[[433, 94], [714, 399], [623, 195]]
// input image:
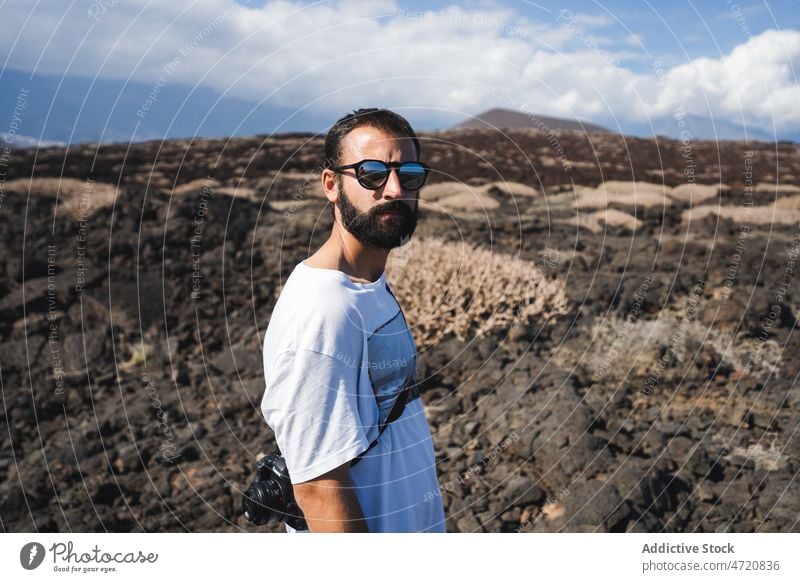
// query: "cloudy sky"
[[617, 63]]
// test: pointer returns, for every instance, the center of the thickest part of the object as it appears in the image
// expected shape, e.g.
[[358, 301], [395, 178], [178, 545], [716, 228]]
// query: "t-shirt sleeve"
[[311, 403]]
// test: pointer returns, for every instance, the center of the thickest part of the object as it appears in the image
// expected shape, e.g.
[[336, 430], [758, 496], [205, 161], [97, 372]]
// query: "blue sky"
[[622, 64], [677, 29], [701, 28], [685, 30]]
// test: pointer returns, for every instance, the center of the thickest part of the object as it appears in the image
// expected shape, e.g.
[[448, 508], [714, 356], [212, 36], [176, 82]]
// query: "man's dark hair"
[[383, 119]]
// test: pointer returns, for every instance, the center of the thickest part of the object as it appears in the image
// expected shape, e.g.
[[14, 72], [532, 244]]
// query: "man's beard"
[[373, 231]]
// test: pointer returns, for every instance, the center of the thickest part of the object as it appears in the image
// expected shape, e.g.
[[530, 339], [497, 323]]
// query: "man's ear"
[[330, 180]]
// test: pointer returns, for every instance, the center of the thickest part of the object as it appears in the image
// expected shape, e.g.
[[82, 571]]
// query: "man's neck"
[[343, 252]]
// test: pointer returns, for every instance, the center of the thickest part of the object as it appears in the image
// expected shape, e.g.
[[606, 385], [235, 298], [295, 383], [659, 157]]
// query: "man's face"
[[383, 218]]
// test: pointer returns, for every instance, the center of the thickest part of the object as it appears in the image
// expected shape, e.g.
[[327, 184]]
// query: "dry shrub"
[[466, 291], [77, 199], [768, 458], [628, 350], [771, 214]]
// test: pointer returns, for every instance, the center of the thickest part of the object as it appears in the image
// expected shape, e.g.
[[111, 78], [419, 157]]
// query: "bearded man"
[[339, 359]]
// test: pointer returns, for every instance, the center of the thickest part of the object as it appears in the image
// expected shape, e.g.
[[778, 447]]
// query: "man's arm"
[[329, 503]]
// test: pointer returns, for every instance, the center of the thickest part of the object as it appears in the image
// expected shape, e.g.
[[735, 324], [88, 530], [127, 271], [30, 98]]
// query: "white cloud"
[[348, 53], [756, 82]]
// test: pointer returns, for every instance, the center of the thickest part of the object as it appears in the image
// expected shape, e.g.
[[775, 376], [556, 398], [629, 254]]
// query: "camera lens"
[[261, 501]]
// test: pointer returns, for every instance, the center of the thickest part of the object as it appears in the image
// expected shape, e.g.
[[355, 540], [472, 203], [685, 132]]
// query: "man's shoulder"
[[315, 294], [312, 278], [314, 313]]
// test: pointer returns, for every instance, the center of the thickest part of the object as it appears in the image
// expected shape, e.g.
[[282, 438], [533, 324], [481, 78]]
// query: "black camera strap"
[[396, 412], [399, 404]]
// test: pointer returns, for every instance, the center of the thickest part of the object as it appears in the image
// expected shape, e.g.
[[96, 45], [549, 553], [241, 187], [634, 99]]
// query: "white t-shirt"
[[336, 354]]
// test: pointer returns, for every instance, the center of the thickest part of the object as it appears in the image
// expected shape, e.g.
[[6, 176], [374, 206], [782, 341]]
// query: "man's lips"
[[391, 213]]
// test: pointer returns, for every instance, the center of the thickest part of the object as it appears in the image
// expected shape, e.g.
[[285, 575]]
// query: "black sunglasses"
[[372, 174]]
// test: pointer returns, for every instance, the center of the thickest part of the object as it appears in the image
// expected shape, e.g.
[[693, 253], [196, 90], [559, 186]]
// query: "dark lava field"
[[137, 281]]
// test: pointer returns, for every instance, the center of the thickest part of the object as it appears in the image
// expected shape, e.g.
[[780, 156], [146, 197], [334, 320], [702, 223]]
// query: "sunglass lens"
[[372, 174], [412, 175]]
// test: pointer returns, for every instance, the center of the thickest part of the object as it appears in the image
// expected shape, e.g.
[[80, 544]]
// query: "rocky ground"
[[665, 399]]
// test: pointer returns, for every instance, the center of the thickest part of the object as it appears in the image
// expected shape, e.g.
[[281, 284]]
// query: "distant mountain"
[[699, 128], [15, 140], [508, 119], [72, 109], [80, 109]]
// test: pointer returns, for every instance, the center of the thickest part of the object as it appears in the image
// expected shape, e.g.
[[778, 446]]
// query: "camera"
[[270, 498]]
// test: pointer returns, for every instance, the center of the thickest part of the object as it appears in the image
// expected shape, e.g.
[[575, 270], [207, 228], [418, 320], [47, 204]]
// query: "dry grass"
[[195, 187], [237, 192], [467, 201], [466, 291], [771, 214], [290, 186], [211, 188], [644, 194], [772, 188], [696, 193], [152, 179], [788, 202], [458, 197], [622, 187], [290, 206], [630, 193], [513, 189], [77, 199], [443, 190], [602, 219]]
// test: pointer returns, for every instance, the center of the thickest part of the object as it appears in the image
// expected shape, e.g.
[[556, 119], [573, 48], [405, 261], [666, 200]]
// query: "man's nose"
[[392, 188]]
